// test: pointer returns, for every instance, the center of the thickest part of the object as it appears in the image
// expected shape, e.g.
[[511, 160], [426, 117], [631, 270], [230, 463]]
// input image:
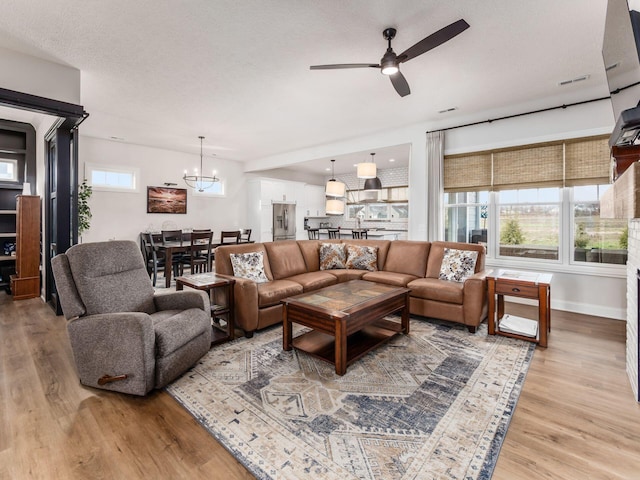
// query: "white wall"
[[27, 74], [574, 290], [123, 216]]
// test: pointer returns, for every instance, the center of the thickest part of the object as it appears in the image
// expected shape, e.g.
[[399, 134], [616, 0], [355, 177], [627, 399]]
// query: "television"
[[621, 56]]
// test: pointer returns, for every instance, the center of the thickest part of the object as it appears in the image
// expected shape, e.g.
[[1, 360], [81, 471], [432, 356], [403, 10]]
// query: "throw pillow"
[[457, 265], [361, 257], [249, 266], [332, 256]]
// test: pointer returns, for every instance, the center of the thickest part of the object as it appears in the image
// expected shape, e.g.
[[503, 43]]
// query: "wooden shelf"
[[8, 212], [7, 234]]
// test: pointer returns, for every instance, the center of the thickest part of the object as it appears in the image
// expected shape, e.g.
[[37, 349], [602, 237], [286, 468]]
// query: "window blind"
[[467, 173], [583, 161]]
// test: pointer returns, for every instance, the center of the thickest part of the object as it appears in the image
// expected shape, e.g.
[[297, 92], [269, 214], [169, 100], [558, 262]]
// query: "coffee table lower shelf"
[[322, 345]]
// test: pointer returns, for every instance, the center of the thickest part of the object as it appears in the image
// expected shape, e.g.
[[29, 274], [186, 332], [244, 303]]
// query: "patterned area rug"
[[433, 404]]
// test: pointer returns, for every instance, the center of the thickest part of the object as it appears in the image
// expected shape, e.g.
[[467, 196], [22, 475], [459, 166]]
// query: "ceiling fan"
[[390, 62]]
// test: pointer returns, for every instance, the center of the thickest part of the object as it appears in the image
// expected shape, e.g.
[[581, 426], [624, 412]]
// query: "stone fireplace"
[[633, 292]]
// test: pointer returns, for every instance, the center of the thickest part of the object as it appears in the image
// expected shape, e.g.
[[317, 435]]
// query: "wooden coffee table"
[[347, 320]]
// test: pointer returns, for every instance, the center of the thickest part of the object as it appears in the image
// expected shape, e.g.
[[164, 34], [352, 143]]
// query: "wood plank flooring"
[[576, 417]]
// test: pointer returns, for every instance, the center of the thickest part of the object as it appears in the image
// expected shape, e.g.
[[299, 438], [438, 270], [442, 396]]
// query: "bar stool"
[[314, 233]]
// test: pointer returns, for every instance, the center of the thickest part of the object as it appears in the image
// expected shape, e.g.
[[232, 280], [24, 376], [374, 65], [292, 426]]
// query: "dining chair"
[[314, 233], [359, 234], [245, 235], [174, 236], [230, 236], [333, 233], [153, 258], [199, 256]]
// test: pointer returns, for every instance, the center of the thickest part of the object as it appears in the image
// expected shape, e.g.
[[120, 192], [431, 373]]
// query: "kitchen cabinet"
[[377, 211], [314, 201]]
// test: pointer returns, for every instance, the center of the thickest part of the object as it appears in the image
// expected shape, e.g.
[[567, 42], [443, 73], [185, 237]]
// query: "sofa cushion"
[[272, 292], [314, 280], [382, 246], [332, 255], [310, 250], [437, 290], [249, 265], [223, 259], [409, 257], [436, 255], [175, 329], [457, 265], [390, 278], [285, 259], [121, 285], [346, 274], [362, 257]]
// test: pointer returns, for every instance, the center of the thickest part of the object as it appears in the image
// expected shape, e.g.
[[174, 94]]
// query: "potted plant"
[[84, 211]]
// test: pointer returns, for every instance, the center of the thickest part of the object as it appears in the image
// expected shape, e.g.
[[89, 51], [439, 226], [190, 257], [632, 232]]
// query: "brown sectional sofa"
[[293, 267]]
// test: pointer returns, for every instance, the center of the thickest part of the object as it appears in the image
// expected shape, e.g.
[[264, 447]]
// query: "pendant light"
[[366, 169], [334, 207], [334, 188], [200, 182], [373, 184]]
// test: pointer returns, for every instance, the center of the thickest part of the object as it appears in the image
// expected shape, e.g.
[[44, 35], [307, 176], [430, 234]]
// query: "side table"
[[221, 295], [517, 283]]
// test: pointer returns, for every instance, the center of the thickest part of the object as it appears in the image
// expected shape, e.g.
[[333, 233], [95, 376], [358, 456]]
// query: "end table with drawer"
[[523, 284], [220, 291]]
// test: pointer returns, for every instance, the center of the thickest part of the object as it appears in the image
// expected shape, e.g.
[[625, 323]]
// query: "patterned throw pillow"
[[457, 265], [249, 266], [332, 256], [361, 257]]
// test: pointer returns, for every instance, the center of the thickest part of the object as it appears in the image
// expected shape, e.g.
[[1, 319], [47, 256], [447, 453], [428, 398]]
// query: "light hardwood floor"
[[576, 417]]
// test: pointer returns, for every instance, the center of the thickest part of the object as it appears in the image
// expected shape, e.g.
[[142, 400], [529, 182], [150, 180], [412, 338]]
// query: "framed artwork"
[[166, 200]]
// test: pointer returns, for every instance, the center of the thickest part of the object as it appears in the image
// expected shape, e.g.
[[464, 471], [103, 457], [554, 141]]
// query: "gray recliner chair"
[[125, 337]]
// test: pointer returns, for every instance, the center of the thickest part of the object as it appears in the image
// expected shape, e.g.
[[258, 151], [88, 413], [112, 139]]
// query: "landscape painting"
[[166, 200]]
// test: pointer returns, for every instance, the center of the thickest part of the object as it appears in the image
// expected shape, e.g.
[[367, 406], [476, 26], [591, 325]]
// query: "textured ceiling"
[[162, 73]]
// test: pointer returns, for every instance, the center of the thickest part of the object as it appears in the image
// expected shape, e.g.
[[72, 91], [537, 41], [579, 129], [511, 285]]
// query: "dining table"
[[175, 247]]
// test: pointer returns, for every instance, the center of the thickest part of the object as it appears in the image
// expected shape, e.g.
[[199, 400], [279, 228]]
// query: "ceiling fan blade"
[[344, 65], [400, 84], [432, 41]]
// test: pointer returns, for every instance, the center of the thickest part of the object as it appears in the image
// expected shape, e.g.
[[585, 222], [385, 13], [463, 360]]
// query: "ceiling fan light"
[[366, 170], [335, 188], [334, 207], [389, 69]]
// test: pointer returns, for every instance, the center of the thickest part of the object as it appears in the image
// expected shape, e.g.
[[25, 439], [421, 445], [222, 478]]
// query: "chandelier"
[[200, 182]]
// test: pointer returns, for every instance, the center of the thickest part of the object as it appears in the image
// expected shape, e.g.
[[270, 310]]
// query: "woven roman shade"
[[528, 167], [467, 172], [581, 161], [587, 161]]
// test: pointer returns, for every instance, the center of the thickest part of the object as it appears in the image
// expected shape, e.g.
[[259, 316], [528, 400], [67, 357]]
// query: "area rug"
[[434, 404]]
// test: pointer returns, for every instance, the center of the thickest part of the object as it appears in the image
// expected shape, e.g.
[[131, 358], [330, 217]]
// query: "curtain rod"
[[521, 114]]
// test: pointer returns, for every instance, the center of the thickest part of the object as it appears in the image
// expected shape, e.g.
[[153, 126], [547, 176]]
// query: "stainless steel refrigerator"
[[284, 221]]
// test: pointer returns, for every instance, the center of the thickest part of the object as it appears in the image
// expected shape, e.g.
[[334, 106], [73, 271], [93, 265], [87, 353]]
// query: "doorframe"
[[63, 232]]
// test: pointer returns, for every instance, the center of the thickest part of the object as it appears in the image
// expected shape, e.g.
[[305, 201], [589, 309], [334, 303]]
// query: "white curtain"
[[435, 168]]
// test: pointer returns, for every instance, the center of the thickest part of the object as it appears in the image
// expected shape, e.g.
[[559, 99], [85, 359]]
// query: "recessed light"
[[392, 159], [328, 169]]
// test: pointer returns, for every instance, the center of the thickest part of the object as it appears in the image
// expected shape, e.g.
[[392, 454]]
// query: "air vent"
[[574, 80], [448, 110]]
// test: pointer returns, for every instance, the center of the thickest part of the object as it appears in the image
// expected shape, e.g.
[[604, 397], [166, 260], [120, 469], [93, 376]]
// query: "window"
[[112, 178], [466, 216], [596, 239], [8, 170], [217, 190], [529, 223], [535, 203]]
